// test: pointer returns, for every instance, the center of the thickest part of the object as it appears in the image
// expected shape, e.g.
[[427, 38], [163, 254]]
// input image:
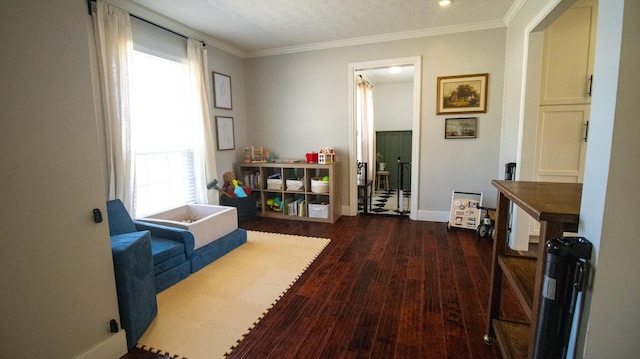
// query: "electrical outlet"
[[113, 326]]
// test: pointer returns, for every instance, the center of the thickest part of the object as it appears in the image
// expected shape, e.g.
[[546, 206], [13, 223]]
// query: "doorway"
[[392, 179], [411, 163], [393, 146]]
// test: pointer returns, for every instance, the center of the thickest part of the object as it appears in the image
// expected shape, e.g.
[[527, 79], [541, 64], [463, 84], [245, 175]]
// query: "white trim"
[[416, 62], [353, 142], [433, 216], [345, 210], [513, 11], [453, 29], [150, 15], [114, 347], [519, 234]]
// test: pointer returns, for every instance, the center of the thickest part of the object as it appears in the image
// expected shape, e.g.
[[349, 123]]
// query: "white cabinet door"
[[561, 147], [569, 46], [562, 143]]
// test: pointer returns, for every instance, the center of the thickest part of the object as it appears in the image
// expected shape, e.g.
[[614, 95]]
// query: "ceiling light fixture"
[[444, 2], [395, 70]]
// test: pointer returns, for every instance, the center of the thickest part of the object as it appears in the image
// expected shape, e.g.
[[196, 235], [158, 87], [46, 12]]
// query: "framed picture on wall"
[[224, 133], [462, 94], [461, 127], [221, 91]]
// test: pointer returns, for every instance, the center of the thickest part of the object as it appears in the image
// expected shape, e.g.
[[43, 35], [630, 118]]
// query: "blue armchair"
[[171, 248], [135, 283]]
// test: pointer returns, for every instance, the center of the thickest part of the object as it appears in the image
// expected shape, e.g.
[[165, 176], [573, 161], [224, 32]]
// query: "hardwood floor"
[[385, 287]]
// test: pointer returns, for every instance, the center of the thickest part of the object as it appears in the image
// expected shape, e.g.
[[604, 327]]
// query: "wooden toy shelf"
[[299, 183]]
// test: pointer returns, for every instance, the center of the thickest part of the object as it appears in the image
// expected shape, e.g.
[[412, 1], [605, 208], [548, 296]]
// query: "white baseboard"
[[345, 210], [433, 216], [429, 216], [114, 347]]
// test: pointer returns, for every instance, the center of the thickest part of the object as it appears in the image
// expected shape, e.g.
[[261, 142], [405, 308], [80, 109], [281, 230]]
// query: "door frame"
[[416, 62]]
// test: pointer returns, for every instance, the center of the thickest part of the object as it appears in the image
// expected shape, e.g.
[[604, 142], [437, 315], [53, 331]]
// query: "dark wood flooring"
[[385, 287]]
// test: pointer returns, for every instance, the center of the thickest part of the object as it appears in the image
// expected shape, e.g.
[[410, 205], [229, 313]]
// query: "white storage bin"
[[275, 183], [295, 185], [319, 210], [319, 186]]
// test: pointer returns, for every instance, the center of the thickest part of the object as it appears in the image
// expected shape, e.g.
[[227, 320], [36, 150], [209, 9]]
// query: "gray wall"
[[393, 107], [225, 63], [299, 102], [607, 215], [57, 284]]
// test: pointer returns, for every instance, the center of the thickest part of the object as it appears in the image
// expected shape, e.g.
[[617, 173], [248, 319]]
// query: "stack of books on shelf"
[[252, 179], [295, 207]]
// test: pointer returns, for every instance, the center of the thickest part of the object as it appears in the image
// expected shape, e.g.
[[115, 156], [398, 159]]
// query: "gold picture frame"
[[462, 94]]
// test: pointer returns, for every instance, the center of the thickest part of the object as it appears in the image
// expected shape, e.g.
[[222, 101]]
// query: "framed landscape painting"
[[462, 94], [461, 127]]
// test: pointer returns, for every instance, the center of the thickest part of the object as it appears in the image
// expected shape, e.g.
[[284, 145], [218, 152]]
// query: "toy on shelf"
[[311, 157], [326, 156], [257, 154], [275, 204], [232, 187], [239, 191]]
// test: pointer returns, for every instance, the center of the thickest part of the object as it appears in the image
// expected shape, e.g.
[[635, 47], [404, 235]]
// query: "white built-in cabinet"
[[565, 95], [568, 53]]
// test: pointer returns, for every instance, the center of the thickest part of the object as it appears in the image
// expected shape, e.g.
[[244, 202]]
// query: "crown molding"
[[513, 11], [150, 15], [378, 38]]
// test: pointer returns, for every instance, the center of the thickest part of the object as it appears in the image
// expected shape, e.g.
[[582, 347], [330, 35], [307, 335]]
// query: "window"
[[167, 157]]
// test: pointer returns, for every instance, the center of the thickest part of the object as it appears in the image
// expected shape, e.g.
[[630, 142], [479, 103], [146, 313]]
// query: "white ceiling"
[[259, 27]]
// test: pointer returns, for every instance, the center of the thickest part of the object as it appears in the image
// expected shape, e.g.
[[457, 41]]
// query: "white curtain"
[[197, 56], [364, 104], [114, 47]]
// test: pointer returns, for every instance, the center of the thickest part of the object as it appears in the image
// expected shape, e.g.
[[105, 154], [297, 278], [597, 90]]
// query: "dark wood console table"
[[556, 206]]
